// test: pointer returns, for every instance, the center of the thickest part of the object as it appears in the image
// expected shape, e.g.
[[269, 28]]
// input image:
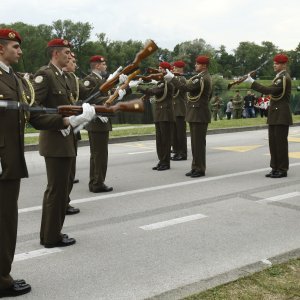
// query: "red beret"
[[11, 35], [281, 58], [59, 43], [202, 59], [165, 65], [97, 58], [179, 64]]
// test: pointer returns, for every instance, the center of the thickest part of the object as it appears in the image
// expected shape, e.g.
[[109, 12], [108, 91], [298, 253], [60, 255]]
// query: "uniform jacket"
[[163, 94], [179, 101], [53, 89], [199, 90], [280, 91], [237, 102], [12, 124], [93, 80], [216, 103]]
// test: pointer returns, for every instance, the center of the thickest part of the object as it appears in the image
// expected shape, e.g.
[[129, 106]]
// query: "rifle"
[[149, 48], [136, 105], [243, 78], [115, 95], [154, 76]]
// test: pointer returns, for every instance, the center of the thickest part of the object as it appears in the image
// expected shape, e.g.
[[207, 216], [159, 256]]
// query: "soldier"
[[199, 90], [216, 107], [98, 130], [279, 115], [237, 104], [58, 147], [164, 117], [14, 90], [179, 132]]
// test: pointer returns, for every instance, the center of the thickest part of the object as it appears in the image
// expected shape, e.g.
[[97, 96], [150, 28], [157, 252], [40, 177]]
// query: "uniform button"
[[193, 105], [161, 107], [59, 92]]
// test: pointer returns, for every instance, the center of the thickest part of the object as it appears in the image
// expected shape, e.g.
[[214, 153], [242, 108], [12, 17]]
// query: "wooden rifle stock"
[[115, 95], [127, 106], [149, 48]]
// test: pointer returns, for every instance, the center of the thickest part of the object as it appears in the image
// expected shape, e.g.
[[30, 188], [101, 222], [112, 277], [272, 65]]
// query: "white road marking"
[[172, 222], [141, 152], [157, 188], [267, 262], [35, 253], [279, 197]]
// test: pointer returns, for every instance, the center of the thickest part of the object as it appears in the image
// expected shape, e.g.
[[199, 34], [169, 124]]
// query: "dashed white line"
[[279, 197], [172, 222], [35, 253], [157, 188], [141, 152]]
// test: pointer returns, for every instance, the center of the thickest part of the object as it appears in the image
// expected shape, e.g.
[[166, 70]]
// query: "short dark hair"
[[50, 50], [3, 42]]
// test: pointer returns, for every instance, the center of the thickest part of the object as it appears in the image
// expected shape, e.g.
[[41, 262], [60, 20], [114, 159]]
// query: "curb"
[[148, 137], [224, 278]]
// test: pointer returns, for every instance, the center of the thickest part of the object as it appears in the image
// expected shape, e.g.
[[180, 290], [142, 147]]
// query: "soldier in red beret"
[[14, 89], [179, 102], [53, 88], [279, 115], [162, 95], [198, 89], [99, 129]]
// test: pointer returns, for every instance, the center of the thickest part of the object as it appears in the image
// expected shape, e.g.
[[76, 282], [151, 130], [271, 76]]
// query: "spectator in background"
[[262, 105], [249, 101], [237, 103], [229, 109]]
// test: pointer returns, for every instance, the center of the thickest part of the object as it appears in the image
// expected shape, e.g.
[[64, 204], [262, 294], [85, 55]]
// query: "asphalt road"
[[161, 233]]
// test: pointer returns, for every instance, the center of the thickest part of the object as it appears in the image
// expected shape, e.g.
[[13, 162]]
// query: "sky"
[[170, 22]]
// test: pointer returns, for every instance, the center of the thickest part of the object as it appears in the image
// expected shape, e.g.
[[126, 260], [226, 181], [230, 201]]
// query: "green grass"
[[279, 282], [151, 130]]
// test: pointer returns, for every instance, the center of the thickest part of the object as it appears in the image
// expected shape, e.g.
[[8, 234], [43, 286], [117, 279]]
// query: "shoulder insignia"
[[38, 79], [44, 68], [86, 83], [278, 81]]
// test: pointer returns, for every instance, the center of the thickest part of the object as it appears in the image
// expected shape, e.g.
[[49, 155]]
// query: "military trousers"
[[163, 133], [237, 113], [198, 143], [179, 137], [9, 194], [98, 157], [278, 144], [56, 197]]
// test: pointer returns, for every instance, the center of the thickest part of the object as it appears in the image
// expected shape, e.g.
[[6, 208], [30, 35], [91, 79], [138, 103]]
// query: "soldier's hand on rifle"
[[121, 93], [134, 83], [122, 78], [88, 112], [249, 79], [153, 81], [115, 73], [169, 76], [103, 119]]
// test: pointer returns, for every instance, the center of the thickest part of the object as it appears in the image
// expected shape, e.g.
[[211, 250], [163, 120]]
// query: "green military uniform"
[[164, 118], [179, 132], [98, 137], [216, 104], [279, 119], [199, 89], [13, 165], [53, 88], [237, 106]]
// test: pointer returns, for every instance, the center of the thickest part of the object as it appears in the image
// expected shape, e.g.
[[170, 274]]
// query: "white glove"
[[169, 76], [66, 132], [122, 78], [115, 73], [79, 127], [249, 79], [103, 119], [88, 112], [134, 83], [153, 81], [121, 93]]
